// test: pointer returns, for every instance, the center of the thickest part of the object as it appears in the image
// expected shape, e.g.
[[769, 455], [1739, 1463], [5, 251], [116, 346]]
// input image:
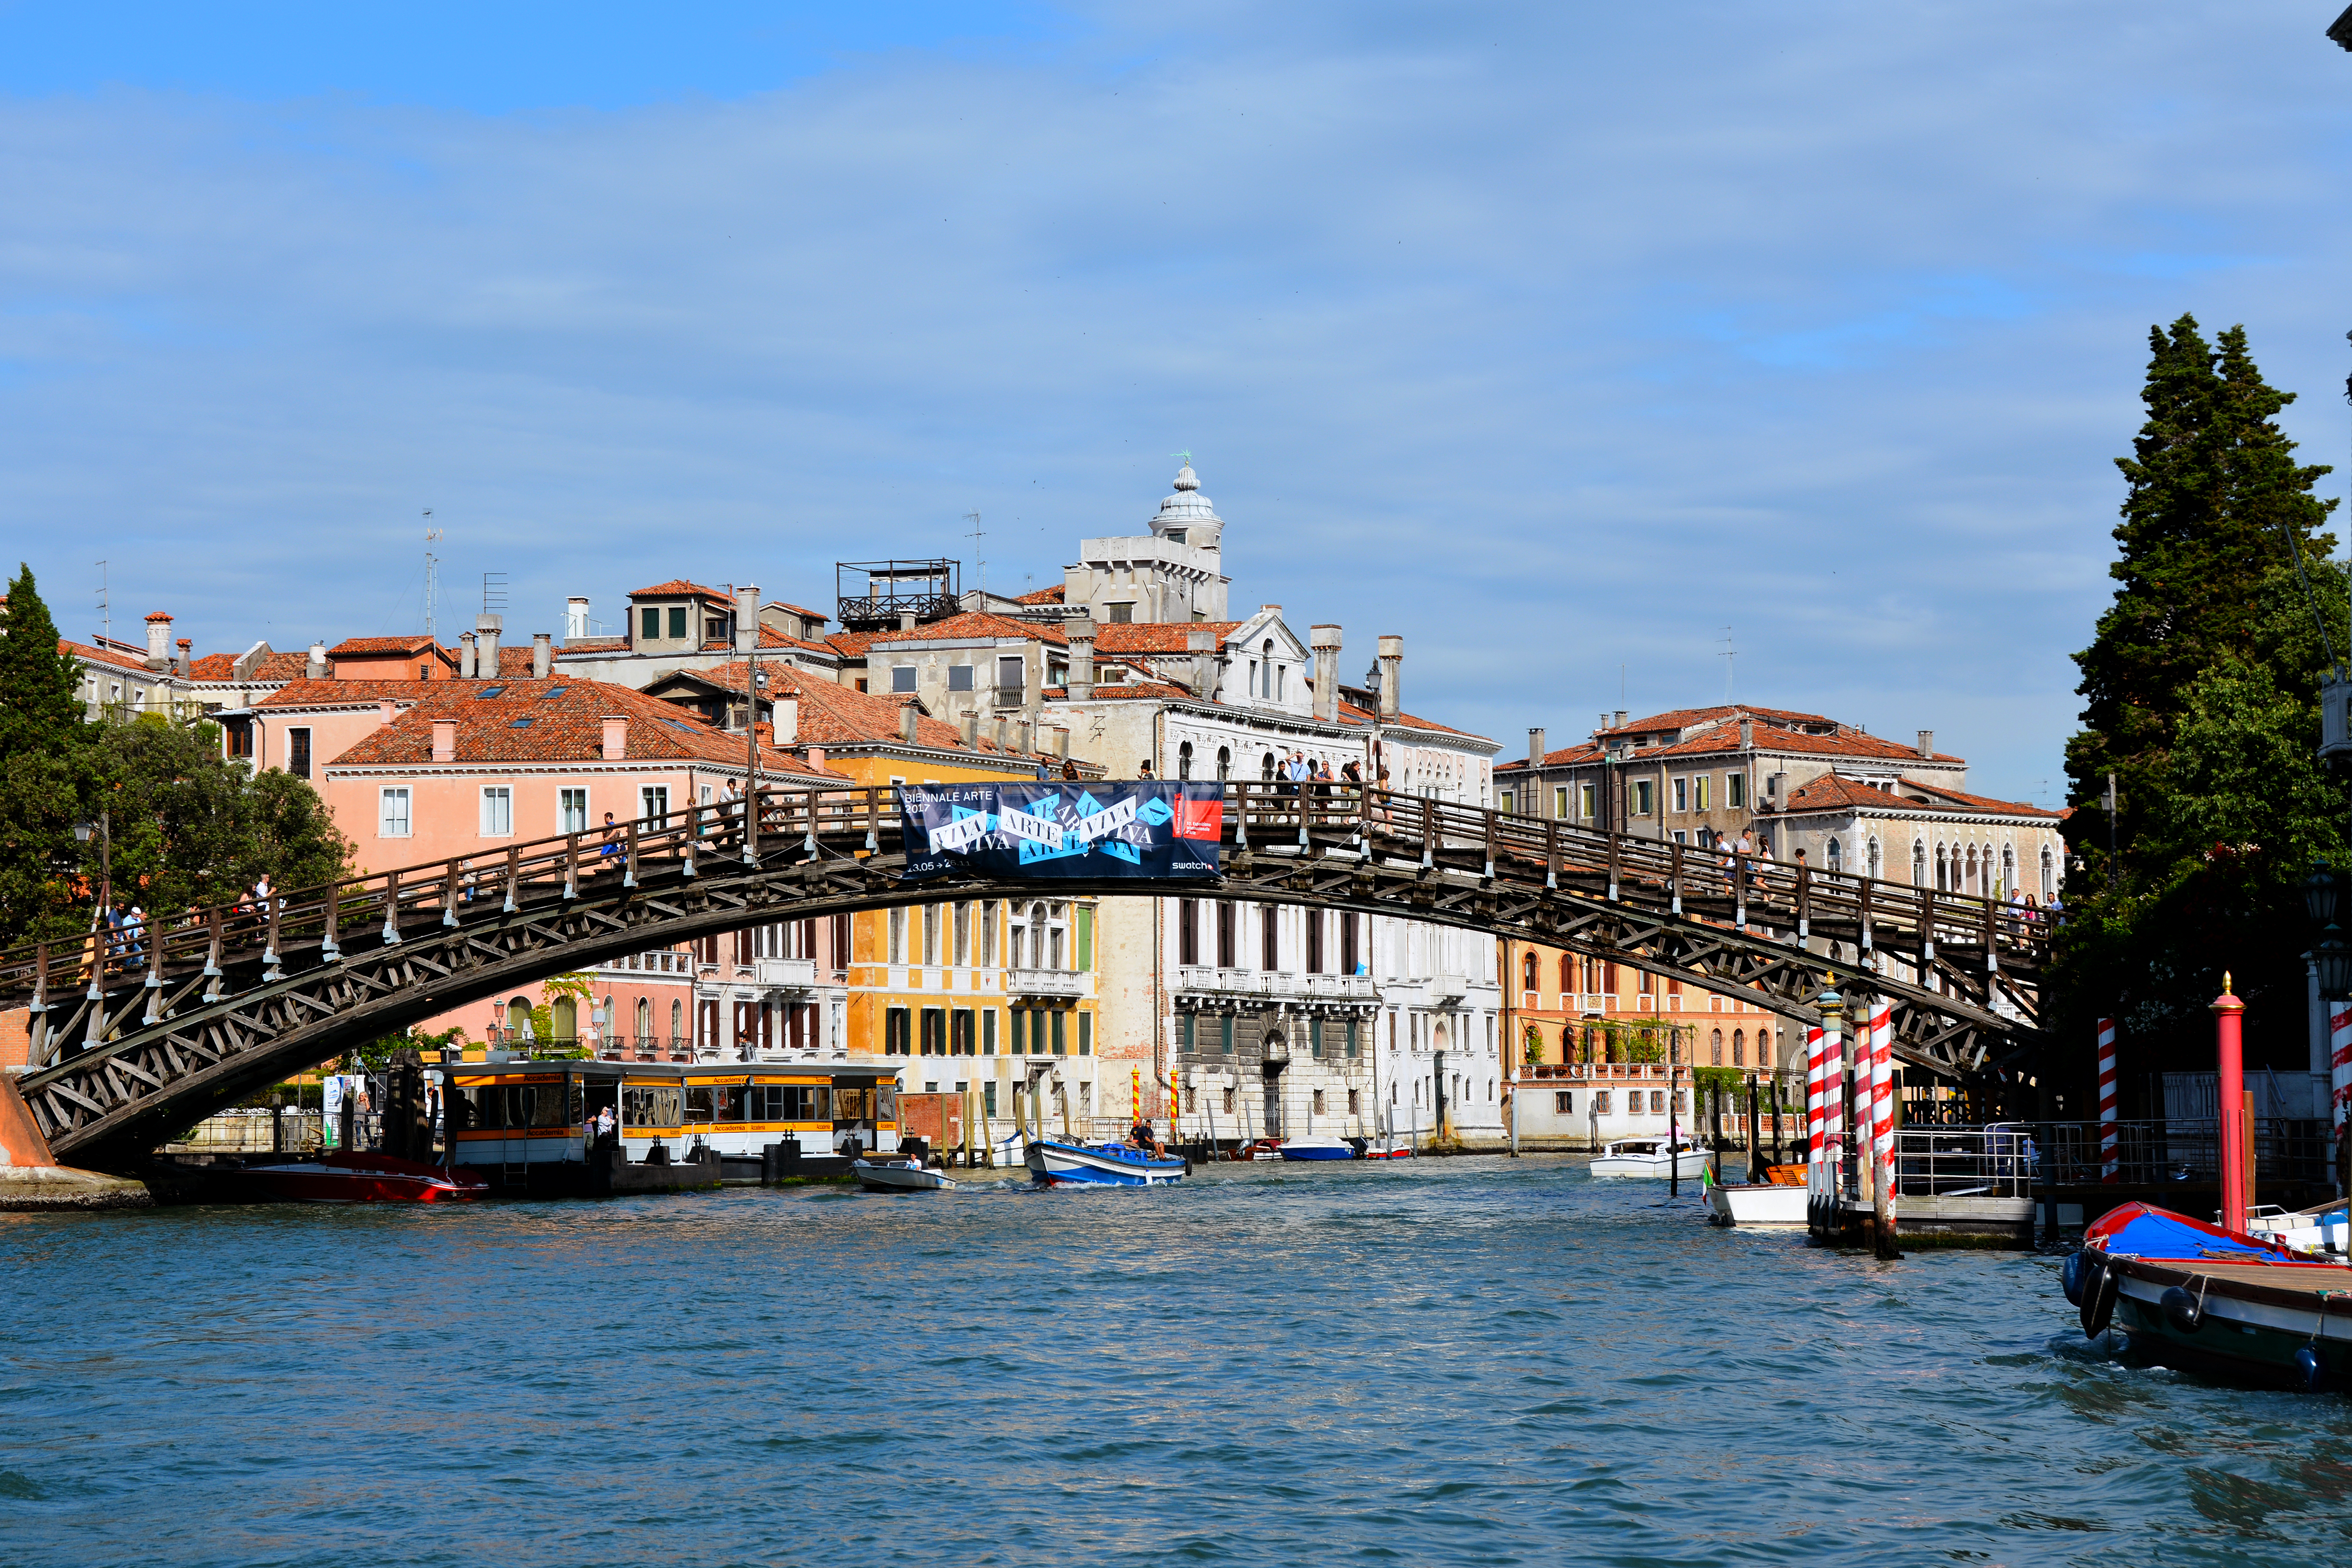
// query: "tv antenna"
[[1728, 653], [494, 593], [105, 612], [973, 517], [432, 569]]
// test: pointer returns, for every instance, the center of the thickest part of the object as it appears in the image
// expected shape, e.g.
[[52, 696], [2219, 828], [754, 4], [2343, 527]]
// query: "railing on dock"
[[2013, 1159]]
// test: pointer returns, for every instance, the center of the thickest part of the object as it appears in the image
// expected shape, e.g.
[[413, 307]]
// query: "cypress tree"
[[44, 771]]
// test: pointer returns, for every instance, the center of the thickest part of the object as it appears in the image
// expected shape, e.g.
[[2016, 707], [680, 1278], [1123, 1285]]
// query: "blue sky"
[[1557, 338]]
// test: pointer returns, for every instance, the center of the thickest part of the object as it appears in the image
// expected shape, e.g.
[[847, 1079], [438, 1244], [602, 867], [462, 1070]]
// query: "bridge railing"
[[361, 912]]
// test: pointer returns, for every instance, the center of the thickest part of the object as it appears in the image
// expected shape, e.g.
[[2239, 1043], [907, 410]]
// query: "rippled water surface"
[[1452, 1360]]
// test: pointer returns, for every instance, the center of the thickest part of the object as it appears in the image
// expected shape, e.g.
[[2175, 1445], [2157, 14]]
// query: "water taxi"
[[1059, 1163], [598, 1128], [1648, 1157], [1775, 1205], [887, 1175]]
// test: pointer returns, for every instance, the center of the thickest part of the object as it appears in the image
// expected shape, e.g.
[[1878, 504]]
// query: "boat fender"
[[2099, 1287], [2311, 1369], [2183, 1309], [2070, 1276]]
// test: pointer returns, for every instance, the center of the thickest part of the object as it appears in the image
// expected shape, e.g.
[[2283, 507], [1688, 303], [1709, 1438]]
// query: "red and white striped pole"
[[1833, 1092], [1814, 1095], [1882, 1107], [2109, 1167], [2339, 1055]]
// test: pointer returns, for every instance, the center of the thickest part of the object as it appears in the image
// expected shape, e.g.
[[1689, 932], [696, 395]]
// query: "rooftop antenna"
[[105, 612], [494, 593], [973, 517], [1729, 653], [432, 569]]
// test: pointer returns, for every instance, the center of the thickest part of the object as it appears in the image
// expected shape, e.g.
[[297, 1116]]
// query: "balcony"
[[785, 973], [1060, 984], [1341, 988], [1448, 988], [1239, 985]]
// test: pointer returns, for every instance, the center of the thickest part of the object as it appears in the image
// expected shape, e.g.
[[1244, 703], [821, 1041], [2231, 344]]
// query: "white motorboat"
[[1760, 1204], [887, 1175], [2324, 1229], [1318, 1146], [1648, 1157]]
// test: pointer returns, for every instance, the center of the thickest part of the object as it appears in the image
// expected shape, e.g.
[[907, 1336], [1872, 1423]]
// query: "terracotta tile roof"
[[102, 656], [1052, 595], [1833, 792], [1129, 691], [768, 638], [565, 724], [1567, 756], [833, 715], [591, 645], [1354, 713], [212, 667], [971, 624], [1688, 718], [1769, 738], [679, 588], [850, 644], [273, 669], [159, 614], [807, 614], [353, 647], [1152, 638], [304, 693]]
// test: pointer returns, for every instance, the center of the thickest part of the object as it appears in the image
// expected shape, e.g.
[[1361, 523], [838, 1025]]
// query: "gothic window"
[[1184, 761]]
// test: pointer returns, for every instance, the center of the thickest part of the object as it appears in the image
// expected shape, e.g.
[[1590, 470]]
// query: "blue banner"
[[1046, 832]]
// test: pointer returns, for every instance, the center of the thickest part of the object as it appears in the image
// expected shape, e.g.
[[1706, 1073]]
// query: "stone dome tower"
[[1188, 517]]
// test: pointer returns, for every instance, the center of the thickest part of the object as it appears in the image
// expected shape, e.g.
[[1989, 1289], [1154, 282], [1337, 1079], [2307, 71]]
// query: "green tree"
[[2214, 504], [44, 781]]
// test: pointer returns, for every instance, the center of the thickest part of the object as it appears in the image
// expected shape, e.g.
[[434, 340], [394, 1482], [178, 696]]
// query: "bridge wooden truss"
[[130, 1047]]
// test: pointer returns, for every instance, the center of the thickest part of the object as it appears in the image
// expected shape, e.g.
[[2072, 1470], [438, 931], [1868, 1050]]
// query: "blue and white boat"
[[1318, 1146], [1058, 1164]]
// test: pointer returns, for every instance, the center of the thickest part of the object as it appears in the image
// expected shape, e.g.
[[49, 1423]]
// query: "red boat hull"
[[362, 1179]]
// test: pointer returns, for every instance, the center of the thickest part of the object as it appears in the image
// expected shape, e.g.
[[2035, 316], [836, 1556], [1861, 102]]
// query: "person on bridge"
[[1143, 770]]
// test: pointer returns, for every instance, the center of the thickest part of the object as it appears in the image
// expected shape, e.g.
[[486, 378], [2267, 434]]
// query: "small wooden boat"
[[888, 1176], [353, 1178], [1648, 1157], [1057, 1164], [1318, 1146], [2191, 1294]]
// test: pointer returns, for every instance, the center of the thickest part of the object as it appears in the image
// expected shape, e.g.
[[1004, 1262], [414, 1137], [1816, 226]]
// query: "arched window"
[[1224, 762], [518, 1017], [1714, 1047], [644, 1011], [1567, 977], [1973, 883], [1184, 761], [1834, 858], [1740, 1049], [1533, 975], [563, 1018], [1876, 864], [1919, 862], [2049, 876], [1265, 767], [2008, 869], [677, 1023], [1943, 871]]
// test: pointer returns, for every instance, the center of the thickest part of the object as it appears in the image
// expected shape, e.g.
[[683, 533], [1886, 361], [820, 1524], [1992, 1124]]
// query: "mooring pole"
[[2228, 1021], [1881, 1126]]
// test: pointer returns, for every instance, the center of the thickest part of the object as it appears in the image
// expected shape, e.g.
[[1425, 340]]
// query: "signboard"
[[1047, 832]]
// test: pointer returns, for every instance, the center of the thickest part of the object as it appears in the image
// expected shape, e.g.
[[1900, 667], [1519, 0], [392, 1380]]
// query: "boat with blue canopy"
[[1059, 1163]]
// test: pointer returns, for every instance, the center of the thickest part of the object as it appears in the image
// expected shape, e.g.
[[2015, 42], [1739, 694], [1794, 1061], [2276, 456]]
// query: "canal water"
[[1462, 1360]]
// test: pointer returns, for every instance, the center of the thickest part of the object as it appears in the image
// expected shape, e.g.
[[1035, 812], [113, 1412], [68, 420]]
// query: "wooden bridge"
[[218, 1003]]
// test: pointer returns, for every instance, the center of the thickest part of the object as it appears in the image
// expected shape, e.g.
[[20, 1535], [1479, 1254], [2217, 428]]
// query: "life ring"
[[2183, 1309], [2099, 1287]]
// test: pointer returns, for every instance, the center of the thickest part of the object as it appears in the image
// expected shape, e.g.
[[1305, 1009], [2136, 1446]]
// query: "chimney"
[[468, 663], [1927, 742], [445, 739], [1080, 682], [486, 644], [816, 754], [746, 620], [908, 714], [1747, 734], [1325, 641], [159, 640], [1201, 644], [972, 727], [386, 710], [187, 652], [1620, 718], [1535, 748], [575, 618], [784, 713], [1024, 738], [906, 620], [1002, 739], [247, 661], [316, 668], [616, 737], [542, 653], [1391, 678]]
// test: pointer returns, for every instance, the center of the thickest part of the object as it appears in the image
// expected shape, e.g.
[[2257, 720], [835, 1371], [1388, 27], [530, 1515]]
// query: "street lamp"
[[2331, 960], [101, 830]]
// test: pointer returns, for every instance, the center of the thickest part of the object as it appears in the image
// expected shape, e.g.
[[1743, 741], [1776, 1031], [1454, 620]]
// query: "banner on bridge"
[[1062, 831]]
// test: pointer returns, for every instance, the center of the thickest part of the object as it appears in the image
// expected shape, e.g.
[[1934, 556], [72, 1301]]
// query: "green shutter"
[[1019, 1045], [1086, 940], [1061, 1045], [988, 1033], [1184, 1028], [1351, 1039], [1086, 1033], [1228, 1022]]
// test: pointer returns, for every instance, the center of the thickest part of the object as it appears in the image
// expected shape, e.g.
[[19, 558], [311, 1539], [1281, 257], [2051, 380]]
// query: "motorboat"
[[337, 1177], [2188, 1293], [1774, 1204], [884, 1175], [1388, 1149], [1318, 1146], [1057, 1163], [1648, 1157]]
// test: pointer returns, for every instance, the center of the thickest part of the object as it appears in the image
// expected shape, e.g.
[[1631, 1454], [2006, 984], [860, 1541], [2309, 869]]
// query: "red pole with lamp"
[[2228, 1015]]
